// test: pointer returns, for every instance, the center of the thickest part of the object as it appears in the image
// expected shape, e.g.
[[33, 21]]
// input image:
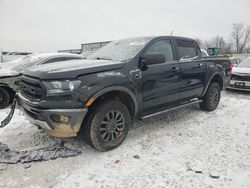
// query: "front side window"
[[162, 47], [57, 59], [53, 60], [187, 49], [72, 58]]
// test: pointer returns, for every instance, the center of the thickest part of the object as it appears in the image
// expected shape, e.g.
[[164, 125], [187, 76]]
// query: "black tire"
[[212, 97], [106, 125], [4, 98]]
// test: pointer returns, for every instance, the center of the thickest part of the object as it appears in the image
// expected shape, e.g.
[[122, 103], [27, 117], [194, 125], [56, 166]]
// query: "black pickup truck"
[[98, 98]]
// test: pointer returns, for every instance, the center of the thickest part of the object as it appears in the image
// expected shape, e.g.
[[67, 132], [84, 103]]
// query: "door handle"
[[197, 66], [175, 69]]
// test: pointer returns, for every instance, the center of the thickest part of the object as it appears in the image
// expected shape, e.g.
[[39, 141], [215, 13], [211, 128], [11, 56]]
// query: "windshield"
[[29, 62], [245, 63], [21, 59], [121, 50]]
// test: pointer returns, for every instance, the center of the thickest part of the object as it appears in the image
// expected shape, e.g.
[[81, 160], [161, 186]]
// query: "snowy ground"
[[167, 151]]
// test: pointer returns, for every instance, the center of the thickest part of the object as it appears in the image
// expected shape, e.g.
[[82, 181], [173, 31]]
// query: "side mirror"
[[151, 59]]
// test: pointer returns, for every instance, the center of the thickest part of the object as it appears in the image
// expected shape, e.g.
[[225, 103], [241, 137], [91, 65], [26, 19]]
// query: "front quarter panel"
[[12, 82], [99, 83]]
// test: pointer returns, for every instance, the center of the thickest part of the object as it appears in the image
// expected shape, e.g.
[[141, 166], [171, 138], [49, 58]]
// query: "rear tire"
[[107, 125], [212, 97], [4, 98]]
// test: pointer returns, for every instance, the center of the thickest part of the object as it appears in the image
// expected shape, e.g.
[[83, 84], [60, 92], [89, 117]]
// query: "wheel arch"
[[9, 90], [215, 78], [124, 94]]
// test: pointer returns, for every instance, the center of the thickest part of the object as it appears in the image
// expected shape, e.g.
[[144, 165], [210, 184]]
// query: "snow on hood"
[[71, 68], [241, 70], [71, 65], [6, 69]]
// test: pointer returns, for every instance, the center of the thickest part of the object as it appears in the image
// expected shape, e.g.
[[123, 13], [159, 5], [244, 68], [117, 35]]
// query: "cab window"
[[53, 60], [187, 49], [162, 47], [57, 59]]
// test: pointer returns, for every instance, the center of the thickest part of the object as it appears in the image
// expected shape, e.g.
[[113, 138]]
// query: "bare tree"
[[219, 42], [246, 39], [248, 49], [228, 49], [200, 42], [241, 36]]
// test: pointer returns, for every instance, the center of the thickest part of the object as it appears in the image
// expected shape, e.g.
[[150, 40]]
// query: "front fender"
[[95, 85], [11, 82], [118, 88]]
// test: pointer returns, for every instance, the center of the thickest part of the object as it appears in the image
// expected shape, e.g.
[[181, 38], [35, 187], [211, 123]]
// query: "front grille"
[[32, 88], [241, 77]]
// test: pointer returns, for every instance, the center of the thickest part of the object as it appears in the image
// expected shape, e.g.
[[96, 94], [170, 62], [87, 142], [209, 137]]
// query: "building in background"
[[9, 56], [93, 46], [85, 48], [72, 51]]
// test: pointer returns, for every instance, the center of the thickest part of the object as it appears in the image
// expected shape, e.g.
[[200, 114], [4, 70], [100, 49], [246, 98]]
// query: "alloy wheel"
[[112, 126]]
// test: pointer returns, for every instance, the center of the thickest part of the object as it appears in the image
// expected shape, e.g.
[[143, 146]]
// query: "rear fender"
[[219, 76]]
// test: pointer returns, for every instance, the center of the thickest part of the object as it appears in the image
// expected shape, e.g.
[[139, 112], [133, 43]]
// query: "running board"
[[170, 109]]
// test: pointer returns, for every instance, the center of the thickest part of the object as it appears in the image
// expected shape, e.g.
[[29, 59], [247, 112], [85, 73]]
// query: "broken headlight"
[[59, 87]]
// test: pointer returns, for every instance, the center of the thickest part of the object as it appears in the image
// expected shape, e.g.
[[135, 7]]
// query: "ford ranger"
[[137, 78]]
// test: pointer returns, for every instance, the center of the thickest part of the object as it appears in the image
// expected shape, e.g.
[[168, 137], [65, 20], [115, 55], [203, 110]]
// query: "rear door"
[[161, 82], [193, 68]]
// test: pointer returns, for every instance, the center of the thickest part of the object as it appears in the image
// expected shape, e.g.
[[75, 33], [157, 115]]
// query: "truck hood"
[[7, 71], [71, 69], [241, 70]]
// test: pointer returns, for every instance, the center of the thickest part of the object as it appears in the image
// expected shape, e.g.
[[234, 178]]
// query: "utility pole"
[[1, 56]]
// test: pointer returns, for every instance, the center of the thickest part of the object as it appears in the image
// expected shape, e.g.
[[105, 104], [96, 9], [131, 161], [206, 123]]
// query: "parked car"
[[235, 61], [241, 76], [128, 79], [10, 72]]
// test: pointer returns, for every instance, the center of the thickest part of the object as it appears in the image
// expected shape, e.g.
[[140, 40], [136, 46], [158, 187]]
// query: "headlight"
[[64, 86]]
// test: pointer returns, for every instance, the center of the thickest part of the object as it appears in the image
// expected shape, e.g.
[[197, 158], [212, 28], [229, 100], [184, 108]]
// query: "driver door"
[[161, 82]]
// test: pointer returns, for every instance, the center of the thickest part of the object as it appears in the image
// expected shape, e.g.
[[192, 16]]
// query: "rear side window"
[[71, 58], [187, 49], [54, 60]]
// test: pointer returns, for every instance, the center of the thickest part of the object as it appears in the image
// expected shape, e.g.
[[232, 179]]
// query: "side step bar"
[[170, 109]]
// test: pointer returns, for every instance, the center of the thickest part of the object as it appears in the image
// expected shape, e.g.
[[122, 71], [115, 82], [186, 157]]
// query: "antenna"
[[171, 32]]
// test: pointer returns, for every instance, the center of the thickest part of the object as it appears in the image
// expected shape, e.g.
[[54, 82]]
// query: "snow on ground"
[[165, 151]]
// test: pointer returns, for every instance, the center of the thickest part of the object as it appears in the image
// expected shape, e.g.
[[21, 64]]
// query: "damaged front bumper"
[[239, 85], [57, 122]]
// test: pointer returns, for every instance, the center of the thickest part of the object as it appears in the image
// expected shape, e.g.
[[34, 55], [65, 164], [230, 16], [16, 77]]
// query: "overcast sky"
[[49, 25]]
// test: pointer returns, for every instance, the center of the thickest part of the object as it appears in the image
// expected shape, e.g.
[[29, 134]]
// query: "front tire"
[[4, 98], [107, 125], [212, 97]]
